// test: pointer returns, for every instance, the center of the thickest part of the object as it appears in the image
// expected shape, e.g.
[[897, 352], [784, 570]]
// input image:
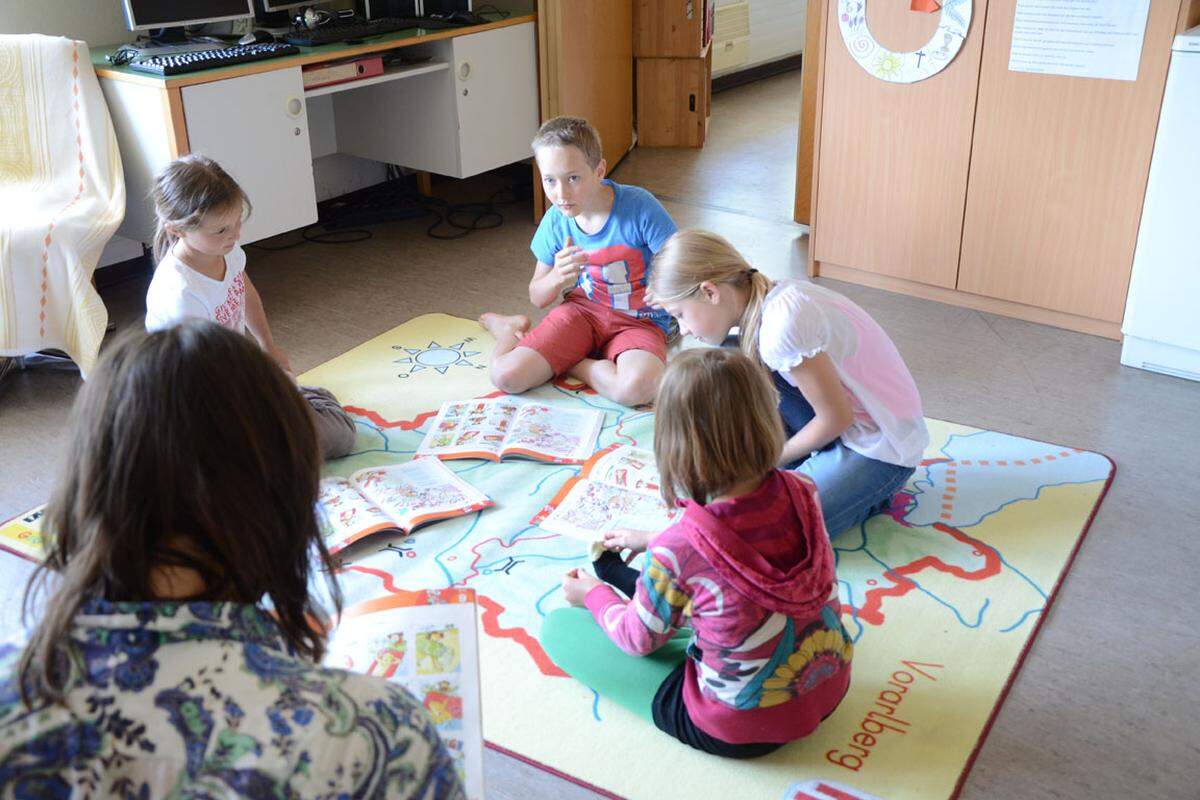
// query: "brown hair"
[[716, 424], [689, 258], [192, 449], [187, 189], [570, 132]]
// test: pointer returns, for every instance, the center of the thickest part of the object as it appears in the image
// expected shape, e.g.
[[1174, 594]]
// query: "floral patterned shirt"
[[204, 700]]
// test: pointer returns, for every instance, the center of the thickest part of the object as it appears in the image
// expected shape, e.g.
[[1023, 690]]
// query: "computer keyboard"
[[175, 63], [346, 30]]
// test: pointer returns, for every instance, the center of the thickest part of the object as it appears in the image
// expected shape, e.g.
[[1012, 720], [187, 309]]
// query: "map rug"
[[943, 595]]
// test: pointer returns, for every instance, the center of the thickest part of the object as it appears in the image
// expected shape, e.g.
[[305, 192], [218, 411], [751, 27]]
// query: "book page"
[[23, 535], [555, 434], [591, 508], [419, 491], [627, 467], [344, 516], [428, 643], [470, 429]]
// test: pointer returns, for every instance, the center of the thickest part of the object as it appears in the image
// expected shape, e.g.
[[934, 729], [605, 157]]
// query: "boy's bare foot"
[[499, 324]]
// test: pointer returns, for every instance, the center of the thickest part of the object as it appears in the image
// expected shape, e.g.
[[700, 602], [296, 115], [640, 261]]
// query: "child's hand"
[[628, 539], [577, 584], [568, 263]]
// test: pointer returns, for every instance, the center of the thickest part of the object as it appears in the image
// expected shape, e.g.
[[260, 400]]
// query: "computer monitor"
[[145, 15]]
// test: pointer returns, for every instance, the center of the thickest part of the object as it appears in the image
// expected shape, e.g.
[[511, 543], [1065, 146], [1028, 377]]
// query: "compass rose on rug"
[[437, 356]]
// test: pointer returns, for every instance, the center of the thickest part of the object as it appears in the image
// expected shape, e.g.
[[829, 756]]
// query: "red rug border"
[[1037, 628]]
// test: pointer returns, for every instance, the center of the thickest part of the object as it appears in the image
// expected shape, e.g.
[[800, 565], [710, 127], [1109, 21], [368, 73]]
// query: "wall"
[[102, 22], [96, 22], [776, 30]]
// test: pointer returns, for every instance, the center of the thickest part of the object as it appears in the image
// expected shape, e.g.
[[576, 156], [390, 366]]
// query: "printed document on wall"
[[1080, 38]]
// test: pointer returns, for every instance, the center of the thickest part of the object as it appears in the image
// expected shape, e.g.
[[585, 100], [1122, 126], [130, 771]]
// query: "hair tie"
[[752, 271]]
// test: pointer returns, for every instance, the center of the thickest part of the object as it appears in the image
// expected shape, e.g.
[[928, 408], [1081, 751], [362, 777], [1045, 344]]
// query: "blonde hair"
[[716, 424], [185, 191], [570, 132], [689, 258]]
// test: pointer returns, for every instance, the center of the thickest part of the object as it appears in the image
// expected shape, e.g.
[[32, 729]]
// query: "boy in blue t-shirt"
[[593, 251]]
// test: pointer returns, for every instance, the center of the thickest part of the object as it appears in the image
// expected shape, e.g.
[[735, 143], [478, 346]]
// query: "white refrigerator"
[[1162, 313]]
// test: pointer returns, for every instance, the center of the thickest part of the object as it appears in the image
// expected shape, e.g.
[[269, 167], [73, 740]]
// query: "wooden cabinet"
[[1009, 192], [1058, 232], [585, 63], [674, 101], [672, 42], [894, 157], [671, 28]]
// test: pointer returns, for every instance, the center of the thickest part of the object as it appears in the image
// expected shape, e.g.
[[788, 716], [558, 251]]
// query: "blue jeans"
[[852, 486]]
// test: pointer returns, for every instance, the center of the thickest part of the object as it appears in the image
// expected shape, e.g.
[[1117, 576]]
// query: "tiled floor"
[[1094, 713]]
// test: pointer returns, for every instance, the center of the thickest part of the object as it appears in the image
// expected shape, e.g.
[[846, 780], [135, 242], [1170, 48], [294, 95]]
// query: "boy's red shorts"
[[580, 329]]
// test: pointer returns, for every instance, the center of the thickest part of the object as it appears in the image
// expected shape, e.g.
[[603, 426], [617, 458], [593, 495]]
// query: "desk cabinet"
[[479, 114], [470, 107], [256, 128]]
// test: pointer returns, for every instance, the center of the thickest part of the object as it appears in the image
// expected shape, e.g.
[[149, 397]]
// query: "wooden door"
[[893, 158], [585, 67], [1058, 175], [810, 66]]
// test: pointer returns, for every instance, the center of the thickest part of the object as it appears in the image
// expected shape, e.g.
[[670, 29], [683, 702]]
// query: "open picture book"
[[23, 536], [503, 427], [427, 642], [617, 488], [397, 497]]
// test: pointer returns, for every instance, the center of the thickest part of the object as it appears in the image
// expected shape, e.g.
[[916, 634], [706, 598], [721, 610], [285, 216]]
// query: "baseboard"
[[954, 297], [756, 73]]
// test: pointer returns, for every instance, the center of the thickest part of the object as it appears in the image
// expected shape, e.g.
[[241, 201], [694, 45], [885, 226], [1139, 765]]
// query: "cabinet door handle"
[[691, 102], [294, 107], [464, 70]]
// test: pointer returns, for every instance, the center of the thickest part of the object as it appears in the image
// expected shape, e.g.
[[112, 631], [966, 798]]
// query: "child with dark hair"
[[184, 511], [200, 273], [748, 568]]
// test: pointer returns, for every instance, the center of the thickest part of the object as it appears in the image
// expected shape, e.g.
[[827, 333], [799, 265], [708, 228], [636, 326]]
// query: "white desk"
[[471, 107]]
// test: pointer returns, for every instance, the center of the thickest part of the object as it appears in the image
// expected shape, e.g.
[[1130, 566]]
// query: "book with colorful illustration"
[[23, 536], [398, 497], [503, 427], [617, 488], [427, 642]]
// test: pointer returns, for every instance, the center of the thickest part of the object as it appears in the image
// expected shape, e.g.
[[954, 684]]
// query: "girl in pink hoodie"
[[748, 568]]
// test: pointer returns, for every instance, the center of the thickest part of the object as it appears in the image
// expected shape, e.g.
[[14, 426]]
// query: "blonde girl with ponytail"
[[850, 407]]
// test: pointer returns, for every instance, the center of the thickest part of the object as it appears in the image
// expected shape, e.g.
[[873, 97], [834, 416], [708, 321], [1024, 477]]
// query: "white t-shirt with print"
[[801, 319], [178, 292]]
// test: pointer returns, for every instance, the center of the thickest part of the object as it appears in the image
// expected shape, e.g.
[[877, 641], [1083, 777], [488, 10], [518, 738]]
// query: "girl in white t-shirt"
[[201, 274], [849, 405]]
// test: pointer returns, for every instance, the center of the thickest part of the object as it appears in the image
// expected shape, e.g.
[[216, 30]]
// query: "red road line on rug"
[[871, 611]]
